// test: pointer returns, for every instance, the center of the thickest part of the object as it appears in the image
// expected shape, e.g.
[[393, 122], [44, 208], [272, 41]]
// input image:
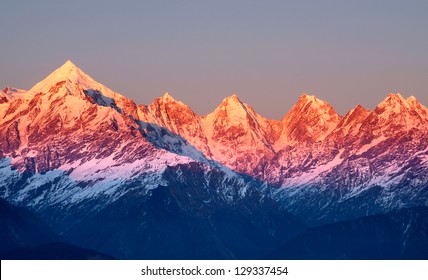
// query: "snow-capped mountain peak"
[[411, 99], [311, 100], [67, 68], [394, 101], [351, 123], [167, 97], [231, 106], [168, 112], [311, 119], [395, 104], [232, 99], [359, 112], [68, 72], [418, 107], [309, 105], [395, 115], [231, 112], [72, 80]]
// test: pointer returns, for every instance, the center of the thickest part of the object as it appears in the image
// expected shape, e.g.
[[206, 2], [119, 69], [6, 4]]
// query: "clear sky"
[[266, 52]]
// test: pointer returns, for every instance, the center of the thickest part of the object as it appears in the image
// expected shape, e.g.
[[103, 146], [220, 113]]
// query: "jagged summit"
[[306, 99], [232, 98], [393, 115], [167, 96], [72, 77], [358, 110], [411, 99], [418, 107], [393, 100], [67, 67], [310, 105], [68, 72], [231, 103], [166, 103], [352, 121], [232, 107], [71, 80], [306, 96], [311, 119], [396, 105], [415, 104], [395, 96]]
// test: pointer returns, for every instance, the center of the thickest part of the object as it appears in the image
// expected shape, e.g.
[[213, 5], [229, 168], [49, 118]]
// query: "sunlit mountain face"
[[158, 181]]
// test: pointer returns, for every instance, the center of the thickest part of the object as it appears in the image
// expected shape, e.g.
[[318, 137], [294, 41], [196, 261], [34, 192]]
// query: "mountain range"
[[159, 181]]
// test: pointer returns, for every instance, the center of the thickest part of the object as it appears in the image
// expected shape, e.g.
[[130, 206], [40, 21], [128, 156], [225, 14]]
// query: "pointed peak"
[[307, 96], [360, 108], [231, 106], [412, 100], [311, 105], [393, 100], [232, 98], [68, 64], [232, 102], [67, 72], [416, 105], [357, 111], [312, 101], [167, 97], [395, 96], [67, 68]]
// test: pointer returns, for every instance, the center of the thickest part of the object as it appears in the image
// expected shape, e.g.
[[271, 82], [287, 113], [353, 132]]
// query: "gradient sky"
[[266, 52]]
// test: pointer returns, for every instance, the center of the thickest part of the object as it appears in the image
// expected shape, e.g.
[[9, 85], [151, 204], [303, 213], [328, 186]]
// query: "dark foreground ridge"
[[401, 235]]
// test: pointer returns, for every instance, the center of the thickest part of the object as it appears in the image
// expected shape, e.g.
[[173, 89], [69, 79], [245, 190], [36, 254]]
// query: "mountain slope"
[[400, 234], [176, 118], [20, 228], [75, 152], [24, 236], [189, 217]]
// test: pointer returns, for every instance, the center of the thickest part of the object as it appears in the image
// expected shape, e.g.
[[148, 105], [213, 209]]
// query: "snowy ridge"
[[70, 139]]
